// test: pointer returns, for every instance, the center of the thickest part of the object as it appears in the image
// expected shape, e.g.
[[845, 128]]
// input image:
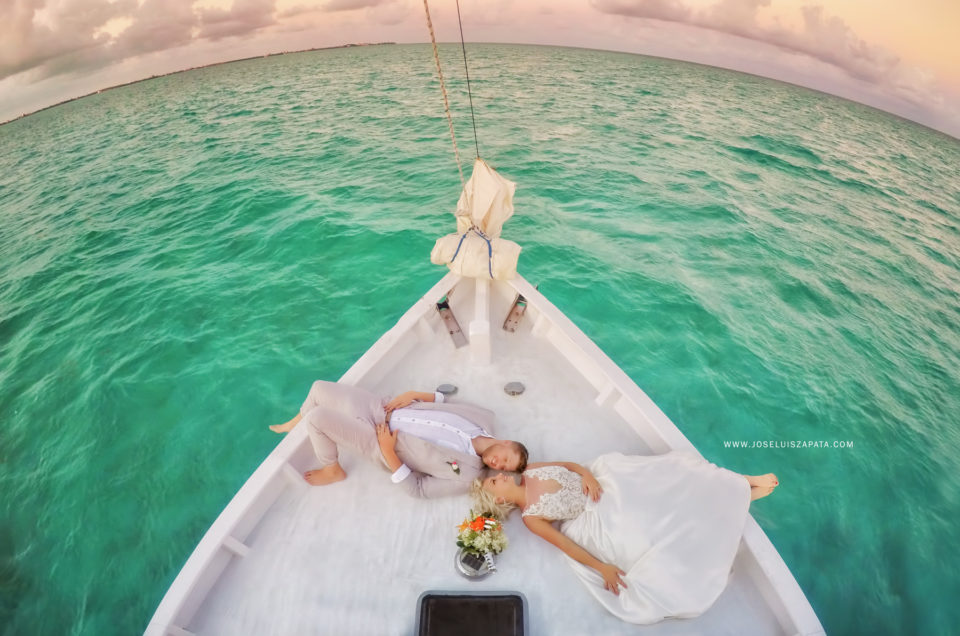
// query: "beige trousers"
[[340, 414]]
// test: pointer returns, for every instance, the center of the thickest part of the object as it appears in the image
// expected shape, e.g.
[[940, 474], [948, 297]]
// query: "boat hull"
[[353, 557]]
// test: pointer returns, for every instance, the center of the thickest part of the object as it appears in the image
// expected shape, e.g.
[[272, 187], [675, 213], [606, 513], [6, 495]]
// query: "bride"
[[662, 538]]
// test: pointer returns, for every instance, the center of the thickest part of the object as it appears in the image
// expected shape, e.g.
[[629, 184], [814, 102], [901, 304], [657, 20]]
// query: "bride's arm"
[[609, 572], [591, 487]]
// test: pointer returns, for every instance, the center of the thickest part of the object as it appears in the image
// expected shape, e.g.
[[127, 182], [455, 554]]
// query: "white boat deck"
[[353, 557]]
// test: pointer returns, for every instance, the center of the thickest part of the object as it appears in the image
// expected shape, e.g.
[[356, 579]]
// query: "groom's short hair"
[[524, 455]]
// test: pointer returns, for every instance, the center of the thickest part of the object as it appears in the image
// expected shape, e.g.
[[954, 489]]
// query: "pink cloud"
[[26, 44], [157, 25], [669, 10], [242, 19], [69, 38], [65, 40], [350, 5], [822, 37]]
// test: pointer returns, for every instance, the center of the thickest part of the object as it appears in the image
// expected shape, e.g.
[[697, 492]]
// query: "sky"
[[896, 55]]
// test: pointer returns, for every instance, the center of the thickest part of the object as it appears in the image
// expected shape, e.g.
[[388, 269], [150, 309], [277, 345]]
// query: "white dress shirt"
[[437, 427]]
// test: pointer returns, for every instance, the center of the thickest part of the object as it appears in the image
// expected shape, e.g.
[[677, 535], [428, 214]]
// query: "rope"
[[443, 89], [467, 72], [456, 151]]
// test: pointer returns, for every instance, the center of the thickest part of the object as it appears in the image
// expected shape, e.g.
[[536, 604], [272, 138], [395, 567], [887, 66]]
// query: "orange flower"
[[477, 524]]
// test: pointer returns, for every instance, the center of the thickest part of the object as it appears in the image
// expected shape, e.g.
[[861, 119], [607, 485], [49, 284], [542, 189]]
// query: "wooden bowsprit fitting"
[[516, 313], [450, 321]]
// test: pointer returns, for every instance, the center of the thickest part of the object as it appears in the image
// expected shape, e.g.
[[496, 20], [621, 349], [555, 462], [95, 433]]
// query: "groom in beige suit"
[[433, 448]]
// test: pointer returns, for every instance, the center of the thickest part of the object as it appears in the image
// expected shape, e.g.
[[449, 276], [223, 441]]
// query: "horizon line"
[[584, 48]]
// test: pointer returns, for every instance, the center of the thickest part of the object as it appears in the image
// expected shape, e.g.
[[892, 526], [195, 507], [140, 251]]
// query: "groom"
[[434, 448]]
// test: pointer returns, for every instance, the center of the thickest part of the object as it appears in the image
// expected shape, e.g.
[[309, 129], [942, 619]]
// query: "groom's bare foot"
[[286, 427], [763, 481], [326, 475], [759, 492]]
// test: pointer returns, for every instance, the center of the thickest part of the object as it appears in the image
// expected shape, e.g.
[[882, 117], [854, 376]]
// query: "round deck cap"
[[514, 388], [447, 389]]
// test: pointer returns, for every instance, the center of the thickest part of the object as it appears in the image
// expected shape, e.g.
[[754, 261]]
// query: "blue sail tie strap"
[[489, 247]]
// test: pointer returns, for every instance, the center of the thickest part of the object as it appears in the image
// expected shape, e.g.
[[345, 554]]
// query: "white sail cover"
[[486, 201], [485, 205]]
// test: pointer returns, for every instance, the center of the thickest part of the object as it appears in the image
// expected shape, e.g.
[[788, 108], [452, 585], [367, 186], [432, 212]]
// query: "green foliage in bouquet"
[[480, 534]]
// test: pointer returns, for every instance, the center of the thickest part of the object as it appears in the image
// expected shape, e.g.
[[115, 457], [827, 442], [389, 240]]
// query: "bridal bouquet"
[[481, 534]]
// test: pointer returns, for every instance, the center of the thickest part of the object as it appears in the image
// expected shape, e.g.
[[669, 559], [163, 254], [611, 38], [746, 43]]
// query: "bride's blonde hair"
[[486, 502]]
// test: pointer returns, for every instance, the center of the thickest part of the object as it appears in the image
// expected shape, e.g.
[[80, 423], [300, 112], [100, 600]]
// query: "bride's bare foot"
[[758, 492], [286, 427], [326, 475], [763, 481]]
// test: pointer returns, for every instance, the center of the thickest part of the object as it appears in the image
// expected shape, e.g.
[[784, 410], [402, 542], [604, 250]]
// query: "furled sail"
[[476, 250]]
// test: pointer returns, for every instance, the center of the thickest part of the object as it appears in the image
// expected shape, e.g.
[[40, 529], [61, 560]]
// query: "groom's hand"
[[386, 439], [403, 400], [388, 444]]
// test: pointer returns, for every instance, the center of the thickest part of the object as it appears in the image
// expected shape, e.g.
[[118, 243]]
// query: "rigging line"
[[443, 89], [467, 71]]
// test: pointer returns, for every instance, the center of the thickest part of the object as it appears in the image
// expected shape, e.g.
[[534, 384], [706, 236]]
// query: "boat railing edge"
[[223, 541], [387, 343], [614, 383], [788, 594], [224, 538], [791, 604]]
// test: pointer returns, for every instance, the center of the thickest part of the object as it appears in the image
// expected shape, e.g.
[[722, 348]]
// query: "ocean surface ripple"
[[182, 257]]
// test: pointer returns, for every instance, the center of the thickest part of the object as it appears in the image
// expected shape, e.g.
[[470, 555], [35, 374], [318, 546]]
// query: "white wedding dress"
[[672, 522]]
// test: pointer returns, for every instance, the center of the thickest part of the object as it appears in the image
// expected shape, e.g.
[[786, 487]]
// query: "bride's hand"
[[611, 577], [591, 487]]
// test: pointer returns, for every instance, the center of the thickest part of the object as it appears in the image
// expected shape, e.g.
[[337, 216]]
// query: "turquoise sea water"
[[180, 258]]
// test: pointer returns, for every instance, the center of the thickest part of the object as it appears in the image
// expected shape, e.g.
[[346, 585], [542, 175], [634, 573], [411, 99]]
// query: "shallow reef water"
[[180, 258]]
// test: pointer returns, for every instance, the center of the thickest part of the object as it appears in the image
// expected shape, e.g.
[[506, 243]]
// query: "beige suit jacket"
[[435, 468]]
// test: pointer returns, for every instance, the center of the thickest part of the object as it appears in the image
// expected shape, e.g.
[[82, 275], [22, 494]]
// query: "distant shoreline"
[[192, 68]]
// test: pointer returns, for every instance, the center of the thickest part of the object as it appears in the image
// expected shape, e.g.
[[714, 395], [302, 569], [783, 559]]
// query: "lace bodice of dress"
[[550, 502]]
